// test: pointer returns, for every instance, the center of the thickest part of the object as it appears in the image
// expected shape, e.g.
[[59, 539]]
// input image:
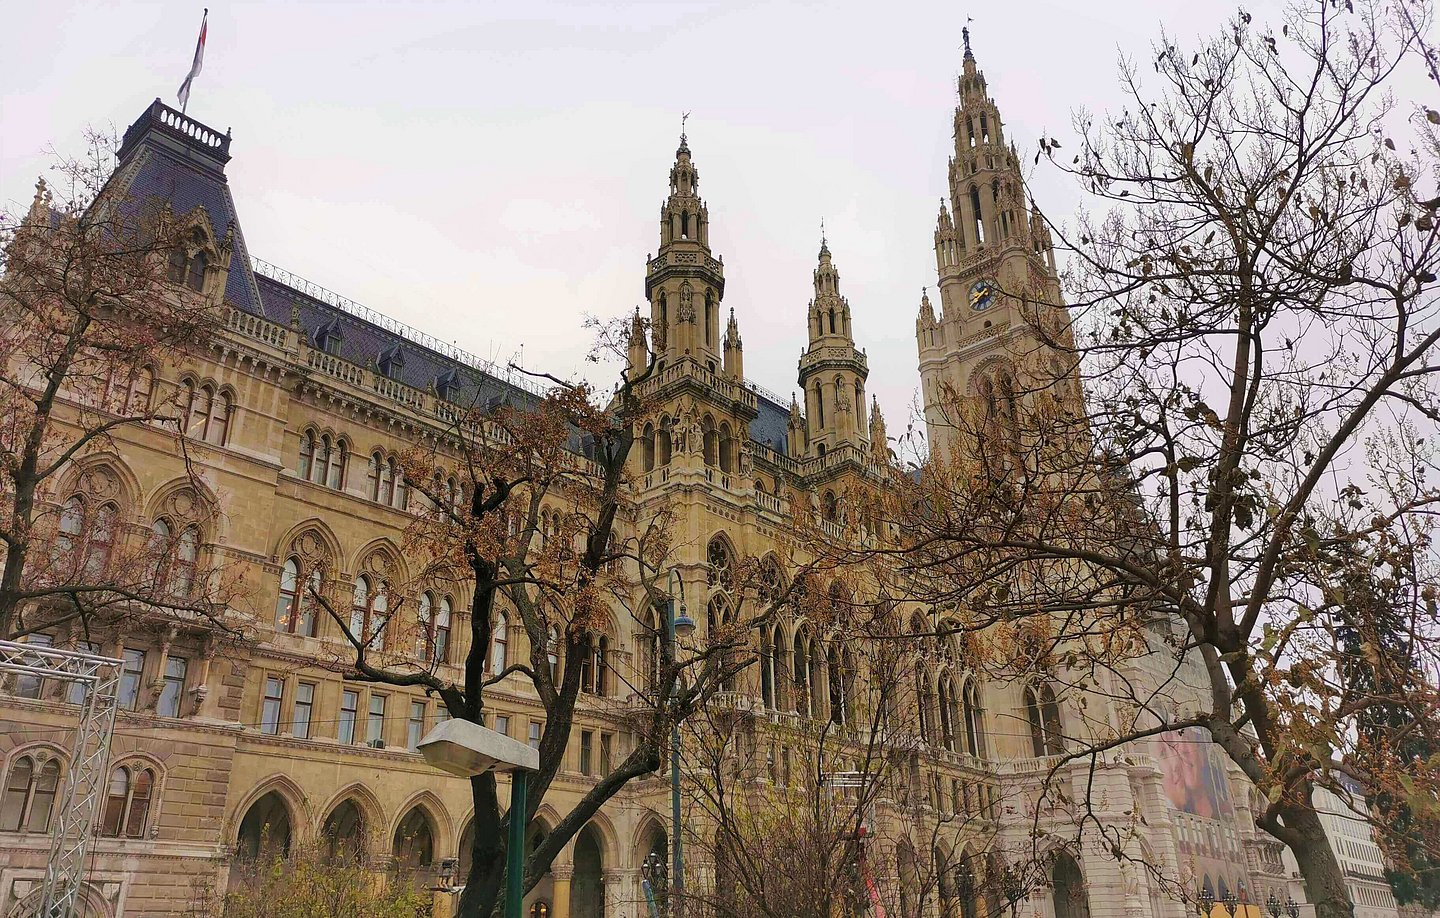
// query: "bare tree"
[[98, 290], [1207, 503]]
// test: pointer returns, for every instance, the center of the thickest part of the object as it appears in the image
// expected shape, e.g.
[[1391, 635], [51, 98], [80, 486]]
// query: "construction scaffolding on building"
[[97, 679]]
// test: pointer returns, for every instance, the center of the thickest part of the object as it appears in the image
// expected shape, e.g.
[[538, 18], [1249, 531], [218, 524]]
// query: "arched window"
[[947, 712], [767, 668], [92, 533], [29, 796], [441, 641], [717, 616], [179, 581], [923, 701], [727, 449], [800, 672], [424, 611], [839, 688], [127, 802], [710, 438], [195, 278], [307, 454], [662, 445], [829, 506], [721, 572], [295, 610], [974, 720], [401, 494], [652, 646], [593, 666], [265, 830], [499, 644], [369, 611], [179, 265], [414, 844], [218, 426], [335, 469], [344, 834], [647, 448], [552, 650], [1043, 714]]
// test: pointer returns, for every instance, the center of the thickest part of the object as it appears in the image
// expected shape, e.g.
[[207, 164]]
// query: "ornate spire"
[[879, 440]]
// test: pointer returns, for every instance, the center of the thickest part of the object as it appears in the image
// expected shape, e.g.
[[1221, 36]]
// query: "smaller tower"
[[795, 431], [734, 351], [639, 354], [879, 440], [832, 370]]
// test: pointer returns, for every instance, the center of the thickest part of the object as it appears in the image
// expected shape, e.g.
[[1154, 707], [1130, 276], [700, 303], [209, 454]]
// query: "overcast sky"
[[492, 172]]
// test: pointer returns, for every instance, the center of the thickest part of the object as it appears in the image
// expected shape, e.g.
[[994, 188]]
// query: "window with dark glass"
[[304, 705], [270, 705], [29, 796], [131, 671], [375, 725], [349, 709], [415, 727], [172, 691]]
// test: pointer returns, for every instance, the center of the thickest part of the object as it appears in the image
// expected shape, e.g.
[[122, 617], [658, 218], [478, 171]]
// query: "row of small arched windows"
[[84, 547], [33, 785], [295, 612]]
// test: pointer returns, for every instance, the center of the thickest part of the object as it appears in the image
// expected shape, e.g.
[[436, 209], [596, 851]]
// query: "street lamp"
[[1292, 908], [1230, 903], [678, 623], [1205, 901], [466, 749], [653, 873], [1272, 905]]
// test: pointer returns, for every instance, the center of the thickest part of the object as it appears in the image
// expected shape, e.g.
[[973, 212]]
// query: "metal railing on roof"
[[395, 327], [770, 394]]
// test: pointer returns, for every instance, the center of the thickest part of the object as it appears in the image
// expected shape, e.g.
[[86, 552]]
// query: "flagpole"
[[184, 93]]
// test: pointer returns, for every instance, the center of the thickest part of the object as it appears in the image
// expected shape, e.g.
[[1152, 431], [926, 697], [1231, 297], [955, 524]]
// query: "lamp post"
[[465, 749], [1230, 903], [653, 873], [1292, 908], [1204, 902], [677, 623], [1272, 905]]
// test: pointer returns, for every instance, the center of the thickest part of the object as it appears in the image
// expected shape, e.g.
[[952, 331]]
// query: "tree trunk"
[[1319, 869]]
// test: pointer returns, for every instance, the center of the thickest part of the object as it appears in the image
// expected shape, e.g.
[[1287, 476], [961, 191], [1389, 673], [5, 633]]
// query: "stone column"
[[157, 682], [561, 874], [620, 884], [204, 697]]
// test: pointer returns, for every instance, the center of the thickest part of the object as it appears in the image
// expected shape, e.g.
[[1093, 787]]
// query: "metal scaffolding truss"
[[98, 678]]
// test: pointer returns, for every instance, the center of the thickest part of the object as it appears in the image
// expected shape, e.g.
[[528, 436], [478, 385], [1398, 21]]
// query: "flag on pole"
[[184, 93]]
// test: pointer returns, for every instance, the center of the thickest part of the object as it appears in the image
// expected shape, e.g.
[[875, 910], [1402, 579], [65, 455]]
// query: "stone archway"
[[587, 886], [1068, 888]]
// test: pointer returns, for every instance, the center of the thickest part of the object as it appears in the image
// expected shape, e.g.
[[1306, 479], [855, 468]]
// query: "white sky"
[[492, 172]]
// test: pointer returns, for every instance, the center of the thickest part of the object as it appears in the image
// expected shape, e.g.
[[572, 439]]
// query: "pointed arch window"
[[369, 611], [974, 717], [1043, 714], [651, 648], [127, 802], [647, 448], [594, 664], [767, 668], [663, 439], [500, 645], [307, 454], [29, 798]]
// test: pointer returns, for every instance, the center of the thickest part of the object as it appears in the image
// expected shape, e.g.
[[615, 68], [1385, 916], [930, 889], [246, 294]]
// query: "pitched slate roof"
[[168, 157]]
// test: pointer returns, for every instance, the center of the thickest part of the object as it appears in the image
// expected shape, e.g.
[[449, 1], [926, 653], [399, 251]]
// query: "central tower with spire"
[[684, 282], [998, 289]]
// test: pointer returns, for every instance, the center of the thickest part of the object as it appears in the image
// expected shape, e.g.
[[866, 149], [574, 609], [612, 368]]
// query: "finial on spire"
[[824, 247], [966, 33], [684, 117]]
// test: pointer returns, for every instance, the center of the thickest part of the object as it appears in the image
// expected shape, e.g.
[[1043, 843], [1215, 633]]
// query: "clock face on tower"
[[982, 295]]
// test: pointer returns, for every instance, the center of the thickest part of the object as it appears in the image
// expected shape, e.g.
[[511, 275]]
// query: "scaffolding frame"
[[99, 678]]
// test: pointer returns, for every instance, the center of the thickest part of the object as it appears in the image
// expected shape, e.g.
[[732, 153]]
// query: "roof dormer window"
[[329, 336], [447, 384], [391, 362]]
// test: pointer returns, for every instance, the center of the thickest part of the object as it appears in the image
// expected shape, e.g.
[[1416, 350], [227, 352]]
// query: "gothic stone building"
[[309, 397]]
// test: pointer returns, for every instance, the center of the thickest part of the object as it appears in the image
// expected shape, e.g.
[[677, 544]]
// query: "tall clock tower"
[[987, 349]]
